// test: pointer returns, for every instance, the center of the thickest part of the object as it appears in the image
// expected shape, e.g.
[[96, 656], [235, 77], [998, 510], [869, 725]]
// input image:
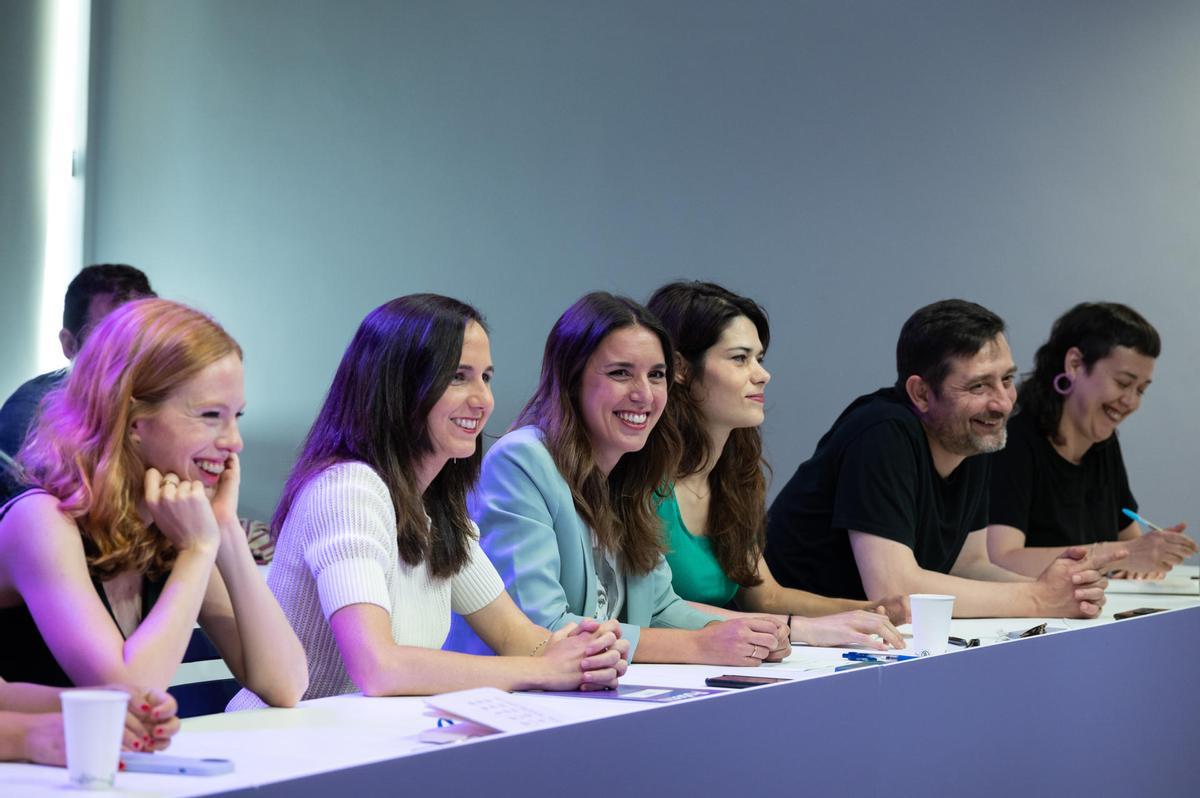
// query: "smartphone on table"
[[141, 762], [1120, 616], [736, 682]]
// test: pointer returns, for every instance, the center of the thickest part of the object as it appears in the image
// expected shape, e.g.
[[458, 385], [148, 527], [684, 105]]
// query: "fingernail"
[[120, 765], [137, 744], [145, 707], [158, 731]]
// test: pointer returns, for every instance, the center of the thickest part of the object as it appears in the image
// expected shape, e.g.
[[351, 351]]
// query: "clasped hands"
[[748, 640], [149, 726], [1073, 585], [151, 721], [588, 655]]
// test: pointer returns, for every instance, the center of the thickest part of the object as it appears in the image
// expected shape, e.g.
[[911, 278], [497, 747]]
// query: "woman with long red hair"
[[129, 533]]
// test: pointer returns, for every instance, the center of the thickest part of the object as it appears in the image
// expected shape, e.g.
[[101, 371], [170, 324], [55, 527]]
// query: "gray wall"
[[290, 165], [24, 75]]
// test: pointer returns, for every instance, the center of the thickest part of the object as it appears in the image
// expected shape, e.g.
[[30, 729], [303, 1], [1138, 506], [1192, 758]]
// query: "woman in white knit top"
[[375, 547]]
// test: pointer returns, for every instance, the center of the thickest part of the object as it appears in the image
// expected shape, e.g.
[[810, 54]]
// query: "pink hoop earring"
[[1060, 388]]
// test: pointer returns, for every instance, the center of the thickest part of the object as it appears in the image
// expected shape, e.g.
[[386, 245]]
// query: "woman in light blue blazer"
[[564, 501]]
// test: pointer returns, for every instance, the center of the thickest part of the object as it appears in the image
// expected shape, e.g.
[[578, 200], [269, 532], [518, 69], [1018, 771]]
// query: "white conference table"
[[1102, 708]]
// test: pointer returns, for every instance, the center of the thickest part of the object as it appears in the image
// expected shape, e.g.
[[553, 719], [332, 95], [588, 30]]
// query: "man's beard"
[[965, 441]]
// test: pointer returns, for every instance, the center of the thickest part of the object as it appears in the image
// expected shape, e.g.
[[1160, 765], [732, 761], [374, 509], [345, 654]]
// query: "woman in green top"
[[714, 515]]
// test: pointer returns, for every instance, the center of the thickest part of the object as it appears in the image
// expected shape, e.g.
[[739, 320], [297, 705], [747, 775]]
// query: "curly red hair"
[[80, 449]]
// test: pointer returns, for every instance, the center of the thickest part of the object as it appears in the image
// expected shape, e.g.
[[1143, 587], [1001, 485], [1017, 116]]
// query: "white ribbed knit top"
[[338, 547]]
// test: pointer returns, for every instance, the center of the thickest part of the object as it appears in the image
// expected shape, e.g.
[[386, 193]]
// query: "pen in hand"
[[1153, 527]]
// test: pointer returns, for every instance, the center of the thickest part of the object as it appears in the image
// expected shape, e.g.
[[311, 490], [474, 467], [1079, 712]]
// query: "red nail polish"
[[137, 745], [145, 707], [158, 731], [120, 765]]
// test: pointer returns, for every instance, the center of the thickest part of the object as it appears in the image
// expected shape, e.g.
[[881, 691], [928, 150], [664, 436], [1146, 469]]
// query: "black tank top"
[[24, 656]]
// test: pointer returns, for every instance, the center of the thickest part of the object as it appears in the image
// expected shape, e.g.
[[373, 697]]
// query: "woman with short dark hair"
[[1061, 481]]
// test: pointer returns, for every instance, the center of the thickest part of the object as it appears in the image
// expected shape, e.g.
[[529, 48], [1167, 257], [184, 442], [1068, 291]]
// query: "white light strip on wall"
[[64, 169]]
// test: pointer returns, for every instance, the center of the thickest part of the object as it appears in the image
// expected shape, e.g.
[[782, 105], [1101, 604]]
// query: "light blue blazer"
[[543, 549]]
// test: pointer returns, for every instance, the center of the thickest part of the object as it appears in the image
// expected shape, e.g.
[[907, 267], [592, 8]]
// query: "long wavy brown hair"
[[695, 314], [396, 368], [618, 508], [80, 449]]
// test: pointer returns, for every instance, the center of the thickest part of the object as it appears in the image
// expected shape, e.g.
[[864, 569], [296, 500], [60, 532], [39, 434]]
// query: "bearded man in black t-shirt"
[[895, 501]]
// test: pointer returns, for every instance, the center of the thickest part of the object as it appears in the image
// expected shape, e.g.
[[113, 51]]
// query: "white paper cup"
[[94, 723], [930, 623]]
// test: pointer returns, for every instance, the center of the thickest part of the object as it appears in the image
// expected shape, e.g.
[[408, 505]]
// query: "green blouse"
[[695, 573]]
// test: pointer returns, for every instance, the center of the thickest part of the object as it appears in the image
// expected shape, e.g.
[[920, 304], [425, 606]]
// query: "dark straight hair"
[[119, 280], [618, 508], [1094, 328], [938, 333], [396, 368], [696, 314]]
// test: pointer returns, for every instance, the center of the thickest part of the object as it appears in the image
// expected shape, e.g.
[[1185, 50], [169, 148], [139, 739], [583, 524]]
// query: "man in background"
[[94, 293]]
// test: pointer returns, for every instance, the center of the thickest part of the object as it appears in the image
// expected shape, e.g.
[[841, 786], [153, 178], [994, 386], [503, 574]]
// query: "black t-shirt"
[[16, 417], [872, 472], [1053, 501]]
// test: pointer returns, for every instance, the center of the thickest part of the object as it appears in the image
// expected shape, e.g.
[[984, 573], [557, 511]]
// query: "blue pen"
[[860, 656], [1140, 520]]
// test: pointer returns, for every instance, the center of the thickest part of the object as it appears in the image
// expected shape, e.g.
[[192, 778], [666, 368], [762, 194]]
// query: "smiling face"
[[194, 430], [1102, 397], [730, 391], [968, 414], [458, 417], [622, 393]]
